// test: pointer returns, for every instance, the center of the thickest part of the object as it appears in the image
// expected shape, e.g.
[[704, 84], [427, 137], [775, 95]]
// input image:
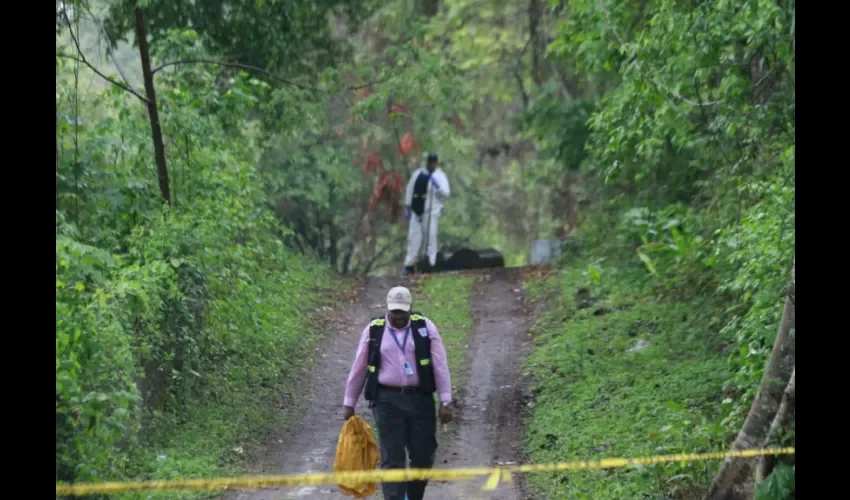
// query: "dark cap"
[[432, 156]]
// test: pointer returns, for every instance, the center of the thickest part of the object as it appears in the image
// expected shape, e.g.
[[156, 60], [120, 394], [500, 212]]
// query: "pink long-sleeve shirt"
[[391, 372]]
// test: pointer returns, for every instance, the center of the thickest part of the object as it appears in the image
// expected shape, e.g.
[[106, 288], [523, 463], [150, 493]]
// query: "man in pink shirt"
[[401, 361]]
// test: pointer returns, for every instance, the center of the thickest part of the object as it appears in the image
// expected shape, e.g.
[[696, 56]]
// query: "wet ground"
[[488, 419]]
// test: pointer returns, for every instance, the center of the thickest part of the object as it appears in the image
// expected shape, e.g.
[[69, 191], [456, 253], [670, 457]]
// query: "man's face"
[[432, 165], [399, 318]]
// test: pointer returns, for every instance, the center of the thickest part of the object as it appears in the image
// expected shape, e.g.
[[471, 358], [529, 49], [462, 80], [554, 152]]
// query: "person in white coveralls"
[[426, 190]]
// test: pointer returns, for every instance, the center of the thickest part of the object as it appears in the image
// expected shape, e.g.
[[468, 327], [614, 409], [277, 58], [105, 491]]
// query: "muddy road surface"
[[488, 419]]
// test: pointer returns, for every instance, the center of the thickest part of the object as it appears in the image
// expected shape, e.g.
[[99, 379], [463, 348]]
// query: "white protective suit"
[[429, 220]]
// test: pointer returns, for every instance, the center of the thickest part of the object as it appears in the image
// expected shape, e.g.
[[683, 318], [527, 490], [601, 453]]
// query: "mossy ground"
[[620, 373]]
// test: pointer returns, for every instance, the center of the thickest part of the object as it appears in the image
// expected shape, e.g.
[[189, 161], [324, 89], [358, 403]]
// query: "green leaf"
[[647, 261], [674, 406], [595, 275], [679, 239], [778, 485]]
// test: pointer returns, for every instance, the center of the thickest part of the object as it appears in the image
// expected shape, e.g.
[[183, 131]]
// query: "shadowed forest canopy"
[[222, 166]]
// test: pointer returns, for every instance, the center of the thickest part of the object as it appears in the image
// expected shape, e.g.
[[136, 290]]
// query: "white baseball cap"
[[399, 299]]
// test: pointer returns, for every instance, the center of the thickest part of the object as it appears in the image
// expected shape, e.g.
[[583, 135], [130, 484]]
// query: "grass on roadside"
[[445, 300], [621, 374], [219, 438], [212, 443]]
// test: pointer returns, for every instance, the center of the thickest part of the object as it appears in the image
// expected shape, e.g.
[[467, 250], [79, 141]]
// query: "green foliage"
[[759, 253], [502, 192], [705, 93], [178, 326], [314, 192], [95, 372], [446, 301], [692, 134], [779, 485], [628, 375], [559, 128], [672, 248], [319, 178], [666, 127], [685, 90], [276, 35], [174, 324]]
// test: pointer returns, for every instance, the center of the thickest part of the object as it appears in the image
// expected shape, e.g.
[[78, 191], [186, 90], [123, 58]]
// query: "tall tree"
[[254, 36], [271, 34], [755, 430], [153, 111]]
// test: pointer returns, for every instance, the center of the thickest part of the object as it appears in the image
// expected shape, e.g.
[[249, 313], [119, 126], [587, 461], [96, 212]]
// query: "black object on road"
[[463, 259]]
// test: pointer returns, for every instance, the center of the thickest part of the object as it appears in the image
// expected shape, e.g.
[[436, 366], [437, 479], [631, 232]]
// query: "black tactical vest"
[[420, 192], [422, 345]]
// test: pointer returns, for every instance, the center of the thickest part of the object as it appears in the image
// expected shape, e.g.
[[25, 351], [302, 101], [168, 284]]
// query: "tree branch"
[[521, 90], [83, 60], [371, 263], [780, 367], [108, 46], [248, 67], [783, 415], [346, 258], [516, 73], [256, 69], [638, 18], [633, 59]]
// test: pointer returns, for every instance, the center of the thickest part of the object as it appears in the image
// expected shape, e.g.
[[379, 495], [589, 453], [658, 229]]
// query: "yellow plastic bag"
[[356, 449]]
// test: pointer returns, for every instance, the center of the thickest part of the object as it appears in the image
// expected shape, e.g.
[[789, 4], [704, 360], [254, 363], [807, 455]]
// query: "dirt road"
[[490, 415], [488, 427]]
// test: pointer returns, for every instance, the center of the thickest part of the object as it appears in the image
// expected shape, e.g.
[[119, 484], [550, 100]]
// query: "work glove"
[[407, 212], [434, 182]]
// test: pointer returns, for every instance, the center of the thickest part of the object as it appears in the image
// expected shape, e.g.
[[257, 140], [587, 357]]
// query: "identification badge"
[[408, 370]]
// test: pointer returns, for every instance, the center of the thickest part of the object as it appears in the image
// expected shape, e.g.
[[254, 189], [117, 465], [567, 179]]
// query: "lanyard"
[[399, 344]]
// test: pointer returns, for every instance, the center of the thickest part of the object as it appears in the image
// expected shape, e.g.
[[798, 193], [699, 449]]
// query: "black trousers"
[[405, 422]]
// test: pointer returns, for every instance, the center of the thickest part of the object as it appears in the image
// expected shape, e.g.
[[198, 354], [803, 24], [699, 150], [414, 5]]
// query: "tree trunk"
[[57, 146], [785, 414], [57, 173], [534, 14], [756, 428], [333, 231], [346, 258], [430, 7], [153, 112]]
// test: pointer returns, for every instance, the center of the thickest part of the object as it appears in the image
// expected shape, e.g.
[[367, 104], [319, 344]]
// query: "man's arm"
[[357, 376], [443, 190], [442, 377]]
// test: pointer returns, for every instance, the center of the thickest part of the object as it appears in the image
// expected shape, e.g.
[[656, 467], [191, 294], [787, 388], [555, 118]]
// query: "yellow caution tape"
[[495, 475]]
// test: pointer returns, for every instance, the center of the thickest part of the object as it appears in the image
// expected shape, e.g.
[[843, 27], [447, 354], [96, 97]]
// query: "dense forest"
[[226, 169]]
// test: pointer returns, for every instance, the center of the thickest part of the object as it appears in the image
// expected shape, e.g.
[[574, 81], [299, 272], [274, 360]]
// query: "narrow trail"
[[490, 412], [488, 426], [309, 445]]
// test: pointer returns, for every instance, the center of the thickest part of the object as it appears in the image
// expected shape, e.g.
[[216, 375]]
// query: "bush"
[[168, 317]]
